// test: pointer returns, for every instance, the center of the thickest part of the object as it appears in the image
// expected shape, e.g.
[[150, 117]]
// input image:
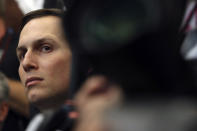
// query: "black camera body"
[[132, 42]]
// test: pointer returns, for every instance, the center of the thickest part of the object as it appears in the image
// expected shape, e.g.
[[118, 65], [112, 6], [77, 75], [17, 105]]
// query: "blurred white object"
[[30, 5], [189, 47], [190, 18], [192, 54], [35, 123], [178, 114]]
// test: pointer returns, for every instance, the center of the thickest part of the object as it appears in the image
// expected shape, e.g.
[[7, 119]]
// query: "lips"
[[31, 81]]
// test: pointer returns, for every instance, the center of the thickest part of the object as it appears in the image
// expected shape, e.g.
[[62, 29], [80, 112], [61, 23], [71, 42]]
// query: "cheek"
[[59, 68], [60, 73], [21, 74]]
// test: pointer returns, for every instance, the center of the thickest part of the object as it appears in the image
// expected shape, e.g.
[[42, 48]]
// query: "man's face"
[[45, 60]]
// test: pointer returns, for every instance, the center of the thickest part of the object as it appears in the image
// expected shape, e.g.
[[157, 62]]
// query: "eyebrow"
[[41, 40]]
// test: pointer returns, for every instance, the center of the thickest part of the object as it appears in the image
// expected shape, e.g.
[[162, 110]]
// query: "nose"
[[29, 62]]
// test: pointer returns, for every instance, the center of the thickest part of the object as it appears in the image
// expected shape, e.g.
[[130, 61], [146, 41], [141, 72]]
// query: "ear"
[[3, 111]]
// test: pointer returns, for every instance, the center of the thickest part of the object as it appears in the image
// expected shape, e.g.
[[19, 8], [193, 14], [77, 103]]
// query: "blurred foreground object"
[[133, 43], [16, 119], [4, 93], [3, 113], [29, 5], [134, 46]]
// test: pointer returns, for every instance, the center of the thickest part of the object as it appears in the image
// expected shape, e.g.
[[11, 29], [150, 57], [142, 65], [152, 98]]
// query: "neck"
[[46, 108]]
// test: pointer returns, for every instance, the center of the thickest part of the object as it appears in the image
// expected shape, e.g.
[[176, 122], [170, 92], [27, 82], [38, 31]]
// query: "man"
[[45, 58]]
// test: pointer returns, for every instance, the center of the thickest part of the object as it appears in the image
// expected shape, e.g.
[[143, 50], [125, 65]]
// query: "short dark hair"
[[40, 13]]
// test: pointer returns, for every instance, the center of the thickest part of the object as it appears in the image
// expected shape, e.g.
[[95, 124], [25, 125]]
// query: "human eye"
[[46, 48], [21, 54]]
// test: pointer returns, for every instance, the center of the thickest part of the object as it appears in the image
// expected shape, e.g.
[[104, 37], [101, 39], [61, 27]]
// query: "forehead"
[[40, 27], [48, 19]]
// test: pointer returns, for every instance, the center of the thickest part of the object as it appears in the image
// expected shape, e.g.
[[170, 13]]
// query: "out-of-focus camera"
[[132, 42], [136, 44]]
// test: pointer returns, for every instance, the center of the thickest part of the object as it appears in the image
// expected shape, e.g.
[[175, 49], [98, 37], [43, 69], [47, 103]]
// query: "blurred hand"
[[96, 96]]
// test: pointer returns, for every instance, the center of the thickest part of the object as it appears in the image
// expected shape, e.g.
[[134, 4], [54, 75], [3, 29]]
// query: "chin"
[[37, 100]]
